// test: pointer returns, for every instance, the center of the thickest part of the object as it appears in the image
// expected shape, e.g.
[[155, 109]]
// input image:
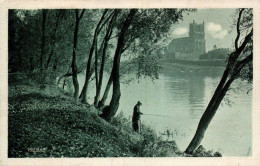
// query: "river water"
[[182, 97]]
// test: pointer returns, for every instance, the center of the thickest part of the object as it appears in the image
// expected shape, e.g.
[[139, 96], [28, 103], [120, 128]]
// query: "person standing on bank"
[[136, 116]]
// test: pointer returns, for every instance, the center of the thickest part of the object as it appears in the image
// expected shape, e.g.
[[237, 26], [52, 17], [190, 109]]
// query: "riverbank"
[[199, 66], [46, 122]]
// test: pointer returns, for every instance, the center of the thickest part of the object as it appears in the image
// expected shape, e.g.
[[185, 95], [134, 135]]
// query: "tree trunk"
[[96, 73], [85, 87], [91, 73], [114, 103], [208, 115], [44, 15], [219, 94], [232, 71], [101, 103], [55, 64], [31, 64], [88, 73], [64, 84], [53, 38], [98, 103], [74, 65]]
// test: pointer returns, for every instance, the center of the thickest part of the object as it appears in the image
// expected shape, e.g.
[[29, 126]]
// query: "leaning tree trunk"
[[212, 108], [207, 117], [218, 96], [88, 73], [114, 103], [85, 87], [110, 111], [233, 69], [102, 102], [103, 59]]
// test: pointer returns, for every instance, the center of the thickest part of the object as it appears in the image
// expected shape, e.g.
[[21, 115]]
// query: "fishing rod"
[[160, 115]]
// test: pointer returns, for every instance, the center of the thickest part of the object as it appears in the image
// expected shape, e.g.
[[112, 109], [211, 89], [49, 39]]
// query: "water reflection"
[[196, 95]]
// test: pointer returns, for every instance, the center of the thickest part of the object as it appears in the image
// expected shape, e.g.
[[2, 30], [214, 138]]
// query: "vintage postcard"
[[129, 83]]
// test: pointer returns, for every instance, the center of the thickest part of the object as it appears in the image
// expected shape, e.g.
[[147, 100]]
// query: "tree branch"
[[76, 13], [100, 28], [240, 65], [82, 13], [245, 60], [243, 45], [238, 30], [233, 57]]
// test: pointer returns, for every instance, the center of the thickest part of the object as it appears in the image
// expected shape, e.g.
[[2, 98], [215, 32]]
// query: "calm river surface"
[[183, 96]]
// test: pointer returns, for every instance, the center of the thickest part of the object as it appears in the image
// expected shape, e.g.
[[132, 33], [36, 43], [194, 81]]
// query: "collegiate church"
[[189, 48]]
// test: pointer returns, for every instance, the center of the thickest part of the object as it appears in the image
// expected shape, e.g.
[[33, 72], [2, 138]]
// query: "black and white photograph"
[[131, 83]]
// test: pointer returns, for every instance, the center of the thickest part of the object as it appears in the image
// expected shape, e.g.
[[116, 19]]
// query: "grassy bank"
[[46, 122]]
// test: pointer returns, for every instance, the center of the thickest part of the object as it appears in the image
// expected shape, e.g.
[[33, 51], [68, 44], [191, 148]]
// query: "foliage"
[[201, 152], [244, 26], [25, 41], [145, 39], [19, 55]]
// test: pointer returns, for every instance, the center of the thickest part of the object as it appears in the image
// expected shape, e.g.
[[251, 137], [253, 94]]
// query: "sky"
[[218, 24]]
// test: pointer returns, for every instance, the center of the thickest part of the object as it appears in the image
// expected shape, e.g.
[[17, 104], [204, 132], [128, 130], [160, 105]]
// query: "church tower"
[[191, 47], [197, 33]]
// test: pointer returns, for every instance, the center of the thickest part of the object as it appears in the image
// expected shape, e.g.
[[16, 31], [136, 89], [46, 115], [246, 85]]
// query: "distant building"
[[189, 48], [216, 54]]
